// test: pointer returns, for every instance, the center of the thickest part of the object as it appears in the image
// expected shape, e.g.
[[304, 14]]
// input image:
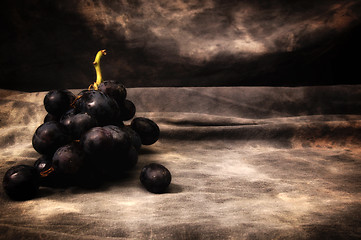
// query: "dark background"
[[51, 44]]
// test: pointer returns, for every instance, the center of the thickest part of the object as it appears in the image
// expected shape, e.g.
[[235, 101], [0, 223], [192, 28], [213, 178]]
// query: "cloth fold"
[[246, 163]]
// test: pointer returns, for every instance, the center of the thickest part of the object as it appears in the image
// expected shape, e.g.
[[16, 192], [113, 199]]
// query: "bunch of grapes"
[[84, 141]]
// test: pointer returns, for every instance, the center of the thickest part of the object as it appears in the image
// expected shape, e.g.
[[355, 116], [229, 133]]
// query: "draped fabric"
[[246, 163]]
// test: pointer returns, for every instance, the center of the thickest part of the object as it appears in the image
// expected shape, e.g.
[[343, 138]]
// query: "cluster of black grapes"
[[84, 141]]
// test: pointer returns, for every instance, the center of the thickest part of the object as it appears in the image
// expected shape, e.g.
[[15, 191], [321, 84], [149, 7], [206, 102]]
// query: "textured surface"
[[153, 43], [247, 163]]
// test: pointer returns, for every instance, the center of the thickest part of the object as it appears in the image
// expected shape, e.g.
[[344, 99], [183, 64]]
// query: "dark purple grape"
[[68, 160], [43, 163], [48, 137], [155, 178], [21, 182], [65, 119], [98, 105], [147, 129], [120, 139], [81, 123], [77, 124], [134, 137], [114, 89], [50, 117], [57, 102], [45, 171], [127, 110], [97, 142]]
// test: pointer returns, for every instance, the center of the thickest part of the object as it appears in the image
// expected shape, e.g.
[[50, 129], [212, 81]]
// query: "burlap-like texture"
[[246, 163]]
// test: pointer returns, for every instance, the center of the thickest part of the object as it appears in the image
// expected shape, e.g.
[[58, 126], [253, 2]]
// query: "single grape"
[[43, 163], [114, 89], [50, 117], [48, 137], [65, 119], [21, 182], [68, 160], [127, 110], [97, 142], [147, 129], [134, 137], [155, 178], [57, 102], [98, 105], [77, 124], [120, 139], [45, 171]]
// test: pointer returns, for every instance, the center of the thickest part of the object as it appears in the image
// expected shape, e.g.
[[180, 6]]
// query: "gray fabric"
[[246, 162]]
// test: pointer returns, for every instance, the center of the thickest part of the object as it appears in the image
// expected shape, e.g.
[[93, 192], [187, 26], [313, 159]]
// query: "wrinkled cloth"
[[246, 163]]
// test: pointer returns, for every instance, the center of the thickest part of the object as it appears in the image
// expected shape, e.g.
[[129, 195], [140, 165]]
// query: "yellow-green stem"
[[96, 64]]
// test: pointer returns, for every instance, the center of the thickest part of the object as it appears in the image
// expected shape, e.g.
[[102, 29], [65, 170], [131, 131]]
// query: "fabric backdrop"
[[152, 43], [246, 162]]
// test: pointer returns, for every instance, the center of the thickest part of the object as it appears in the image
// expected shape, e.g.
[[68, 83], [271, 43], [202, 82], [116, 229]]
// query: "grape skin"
[[50, 117], [127, 110], [21, 182], [155, 178], [147, 129], [97, 142], [117, 91], [97, 104], [114, 89], [57, 102], [42, 163], [120, 139], [134, 137], [77, 124], [68, 160], [48, 137]]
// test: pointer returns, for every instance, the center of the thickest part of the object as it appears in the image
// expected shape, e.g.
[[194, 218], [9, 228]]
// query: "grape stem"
[[45, 173], [96, 64]]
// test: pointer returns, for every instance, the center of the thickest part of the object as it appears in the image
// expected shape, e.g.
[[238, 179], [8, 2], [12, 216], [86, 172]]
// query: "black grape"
[[134, 137], [130, 159], [120, 139], [50, 117], [68, 160], [127, 110], [47, 176], [66, 117], [21, 182], [155, 178], [97, 142], [147, 129], [97, 104], [57, 102], [77, 124], [114, 89], [43, 163], [48, 137]]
